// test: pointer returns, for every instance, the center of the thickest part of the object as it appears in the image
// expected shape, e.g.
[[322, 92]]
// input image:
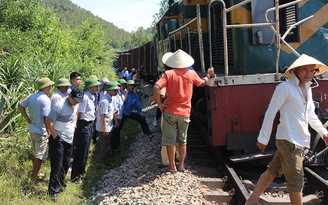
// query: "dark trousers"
[[139, 119], [60, 154], [103, 147], [158, 113], [83, 135], [115, 140]]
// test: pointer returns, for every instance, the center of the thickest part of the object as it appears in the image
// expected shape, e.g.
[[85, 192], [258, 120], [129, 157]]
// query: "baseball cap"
[[77, 94]]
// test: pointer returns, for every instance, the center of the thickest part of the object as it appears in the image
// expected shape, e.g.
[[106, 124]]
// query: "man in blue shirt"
[[38, 105], [132, 102]]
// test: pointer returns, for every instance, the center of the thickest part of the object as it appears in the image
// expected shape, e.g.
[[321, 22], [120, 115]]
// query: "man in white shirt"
[[293, 99]]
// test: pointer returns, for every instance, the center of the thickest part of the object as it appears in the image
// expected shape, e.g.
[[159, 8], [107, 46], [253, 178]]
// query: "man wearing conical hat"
[[293, 99], [83, 133], [38, 105], [179, 82]]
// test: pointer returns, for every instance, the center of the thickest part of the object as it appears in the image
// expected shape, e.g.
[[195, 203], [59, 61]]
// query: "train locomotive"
[[250, 43]]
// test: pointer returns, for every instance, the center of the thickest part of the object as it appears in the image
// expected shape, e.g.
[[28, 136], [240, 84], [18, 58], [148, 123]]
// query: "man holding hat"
[[107, 120], [84, 129], [293, 99], [179, 82], [38, 105], [61, 122], [61, 92]]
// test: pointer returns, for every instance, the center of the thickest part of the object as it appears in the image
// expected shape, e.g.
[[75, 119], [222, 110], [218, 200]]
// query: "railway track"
[[228, 184]]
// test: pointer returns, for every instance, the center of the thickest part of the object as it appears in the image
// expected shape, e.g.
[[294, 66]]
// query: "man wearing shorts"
[[179, 82], [293, 99], [38, 105]]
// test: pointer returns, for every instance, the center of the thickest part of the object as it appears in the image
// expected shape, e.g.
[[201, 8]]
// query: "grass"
[[16, 168]]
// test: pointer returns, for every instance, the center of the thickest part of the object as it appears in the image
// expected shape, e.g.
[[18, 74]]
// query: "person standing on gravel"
[[84, 129], [179, 82], [38, 105], [293, 100], [61, 122]]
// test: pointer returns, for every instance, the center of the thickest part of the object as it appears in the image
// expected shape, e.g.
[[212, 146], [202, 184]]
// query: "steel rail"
[[233, 178], [315, 179]]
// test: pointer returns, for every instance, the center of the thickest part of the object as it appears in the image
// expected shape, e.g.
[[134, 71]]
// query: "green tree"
[[139, 37]]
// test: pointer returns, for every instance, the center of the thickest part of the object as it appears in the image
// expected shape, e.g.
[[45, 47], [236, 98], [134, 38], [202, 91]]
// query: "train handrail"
[[225, 26], [282, 38], [172, 34]]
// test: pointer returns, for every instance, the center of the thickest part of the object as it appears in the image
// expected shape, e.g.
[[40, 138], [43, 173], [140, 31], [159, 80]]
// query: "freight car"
[[249, 43], [141, 57]]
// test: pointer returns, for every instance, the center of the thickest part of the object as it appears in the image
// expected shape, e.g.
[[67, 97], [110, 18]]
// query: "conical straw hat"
[[306, 60]]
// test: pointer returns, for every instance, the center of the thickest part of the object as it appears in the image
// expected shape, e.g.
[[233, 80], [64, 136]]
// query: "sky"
[[125, 14]]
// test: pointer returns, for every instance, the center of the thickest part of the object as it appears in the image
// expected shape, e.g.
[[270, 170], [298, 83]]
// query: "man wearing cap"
[[84, 129], [179, 82], [107, 120], [293, 99], [102, 91], [61, 92], [118, 102], [38, 105], [132, 102], [61, 122]]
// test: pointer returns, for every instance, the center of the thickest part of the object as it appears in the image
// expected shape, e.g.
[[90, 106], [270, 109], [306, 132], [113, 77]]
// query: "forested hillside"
[[73, 15]]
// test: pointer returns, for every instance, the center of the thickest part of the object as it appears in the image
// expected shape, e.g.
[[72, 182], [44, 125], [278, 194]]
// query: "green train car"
[[250, 43]]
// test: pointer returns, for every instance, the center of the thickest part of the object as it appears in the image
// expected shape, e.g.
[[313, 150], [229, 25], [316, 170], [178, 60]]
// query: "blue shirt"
[[69, 90], [106, 108], [87, 107], [38, 105], [132, 102], [130, 76], [63, 117]]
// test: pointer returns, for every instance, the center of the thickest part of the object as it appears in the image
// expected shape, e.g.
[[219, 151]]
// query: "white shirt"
[[295, 115], [57, 96], [87, 107]]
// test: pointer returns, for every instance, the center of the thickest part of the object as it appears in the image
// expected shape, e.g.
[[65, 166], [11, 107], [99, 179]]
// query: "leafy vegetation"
[[50, 41]]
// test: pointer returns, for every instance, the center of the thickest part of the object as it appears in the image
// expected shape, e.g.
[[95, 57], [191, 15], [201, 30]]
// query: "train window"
[[288, 16], [170, 25]]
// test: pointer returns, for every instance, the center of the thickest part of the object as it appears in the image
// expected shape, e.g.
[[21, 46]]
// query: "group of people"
[[67, 121], [135, 75], [70, 114], [293, 99]]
